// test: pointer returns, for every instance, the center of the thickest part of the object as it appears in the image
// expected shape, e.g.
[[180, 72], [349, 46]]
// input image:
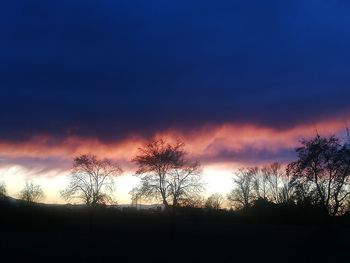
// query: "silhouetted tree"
[[3, 192], [286, 192], [136, 195], [194, 201], [215, 201], [260, 182], [166, 174], [91, 180], [272, 180], [242, 194], [279, 187], [271, 183], [322, 172], [31, 193]]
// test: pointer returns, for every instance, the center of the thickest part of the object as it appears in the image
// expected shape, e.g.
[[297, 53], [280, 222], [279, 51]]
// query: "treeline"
[[320, 177]]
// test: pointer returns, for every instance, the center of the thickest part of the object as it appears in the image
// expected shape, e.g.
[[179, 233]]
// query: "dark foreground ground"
[[51, 234]]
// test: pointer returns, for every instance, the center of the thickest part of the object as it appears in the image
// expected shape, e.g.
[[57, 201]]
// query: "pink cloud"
[[206, 143]]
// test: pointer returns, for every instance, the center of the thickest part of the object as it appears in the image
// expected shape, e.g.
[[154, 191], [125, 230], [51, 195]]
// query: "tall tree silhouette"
[[242, 194], [260, 182], [91, 180], [279, 187], [166, 174], [322, 172]]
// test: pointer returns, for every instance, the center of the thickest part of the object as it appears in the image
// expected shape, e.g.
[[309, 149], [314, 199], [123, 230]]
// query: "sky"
[[240, 82]]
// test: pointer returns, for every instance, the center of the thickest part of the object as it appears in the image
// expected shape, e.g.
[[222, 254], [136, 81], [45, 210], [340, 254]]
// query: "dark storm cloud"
[[110, 68]]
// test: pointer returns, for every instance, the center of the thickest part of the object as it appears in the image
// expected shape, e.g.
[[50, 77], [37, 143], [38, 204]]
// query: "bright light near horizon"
[[216, 179], [124, 184], [52, 182], [50, 170]]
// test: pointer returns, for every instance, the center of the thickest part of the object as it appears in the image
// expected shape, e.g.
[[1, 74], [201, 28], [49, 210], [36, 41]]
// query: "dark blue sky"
[[110, 68]]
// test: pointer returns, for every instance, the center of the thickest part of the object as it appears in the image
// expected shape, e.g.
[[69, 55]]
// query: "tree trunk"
[[165, 203], [174, 206]]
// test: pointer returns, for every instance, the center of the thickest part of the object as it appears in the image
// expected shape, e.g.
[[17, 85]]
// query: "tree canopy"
[[166, 174], [91, 180]]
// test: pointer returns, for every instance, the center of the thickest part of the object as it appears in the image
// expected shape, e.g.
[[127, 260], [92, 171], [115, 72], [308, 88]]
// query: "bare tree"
[[31, 193], [91, 180], [194, 201], [242, 194], [271, 181], [3, 191], [279, 186], [322, 172], [136, 196], [260, 182], [215, 201], [286, 190], [185, 182], [166, 174]]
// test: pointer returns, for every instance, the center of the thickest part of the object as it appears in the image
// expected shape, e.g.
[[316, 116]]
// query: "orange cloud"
[[47, 158], [209, 140], [206, 142]]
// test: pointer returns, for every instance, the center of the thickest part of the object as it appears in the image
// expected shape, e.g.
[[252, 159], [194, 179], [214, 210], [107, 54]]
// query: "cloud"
[[106, 70], [223, 144]]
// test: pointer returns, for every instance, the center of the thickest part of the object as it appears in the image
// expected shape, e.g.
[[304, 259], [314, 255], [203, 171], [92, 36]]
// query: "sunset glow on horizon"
[[220, 149]]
